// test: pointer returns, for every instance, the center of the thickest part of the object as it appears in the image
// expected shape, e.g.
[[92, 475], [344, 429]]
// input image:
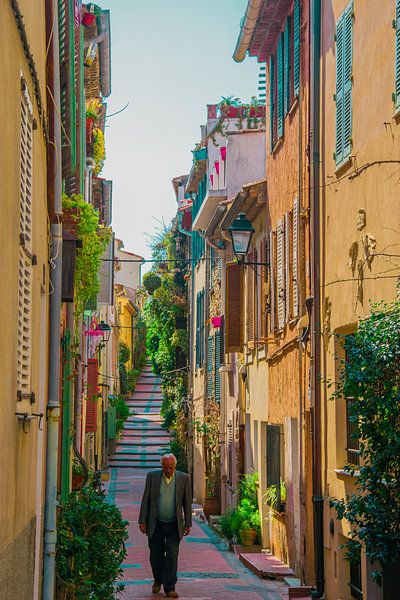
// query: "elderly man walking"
[[166, 516]]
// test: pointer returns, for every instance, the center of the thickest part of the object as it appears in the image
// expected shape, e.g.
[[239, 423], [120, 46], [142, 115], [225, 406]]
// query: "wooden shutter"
[[272, 287], [272, 102], [233, 309], [92, 392], [287, 51], [296, 47], [288, 278], [230, 452], [24, 326], [263, 291], [397, 65], [280, 87], [250, 306], [344, 56], [274, 458], [280, 272], [210, 367], [295, 258], [66, 52], [217, 375]]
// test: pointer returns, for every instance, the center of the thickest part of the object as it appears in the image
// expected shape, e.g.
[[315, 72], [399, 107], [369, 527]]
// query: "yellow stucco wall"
[[374, 190], [126, 316], [22, 464]]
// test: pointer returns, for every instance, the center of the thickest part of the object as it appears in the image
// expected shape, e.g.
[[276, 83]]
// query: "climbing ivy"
[[94, 239], [371, 376]]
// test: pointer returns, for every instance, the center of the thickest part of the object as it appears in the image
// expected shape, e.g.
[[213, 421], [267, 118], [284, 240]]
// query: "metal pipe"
[[53, 402], [315, 20]]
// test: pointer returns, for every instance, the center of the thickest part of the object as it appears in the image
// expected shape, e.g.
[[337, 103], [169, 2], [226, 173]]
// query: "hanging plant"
[[371, 377], [94, 239], [99, 150]]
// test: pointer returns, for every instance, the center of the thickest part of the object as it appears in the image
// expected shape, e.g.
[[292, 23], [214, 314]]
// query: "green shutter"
[[271, 100], [279, 102], [210, 369], [287, 50], [296, 47], [72, 83], [344, 62], [217, 365], [198, 330], [397, 72]]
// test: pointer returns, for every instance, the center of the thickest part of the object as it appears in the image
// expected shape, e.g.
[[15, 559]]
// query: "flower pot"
[[70, 220], [211, 506], [248, 536], [78, 479]]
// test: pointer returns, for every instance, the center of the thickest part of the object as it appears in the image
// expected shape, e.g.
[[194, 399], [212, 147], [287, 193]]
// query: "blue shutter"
[[271, 100], [296, 47], [210, 369], [344, 63], [397, 66], [217, 366], [287, 50], [279, 102]]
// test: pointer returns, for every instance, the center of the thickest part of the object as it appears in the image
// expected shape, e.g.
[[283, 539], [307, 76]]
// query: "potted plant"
[[249, 519], [78, 475], [212, 500]]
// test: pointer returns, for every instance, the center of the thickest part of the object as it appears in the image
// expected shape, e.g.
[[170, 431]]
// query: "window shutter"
[[274, 458], [92, 392], [198, 330], [344, 51], [24, 327], [66, 61], [263, 291], [280, 87], [250, 308], [272, 289], [271, 101], [210, 370], [296, 47], [295, 265], [397, 66], [288, 279], [233, 308], [280, 254], [287, 51], [217, 366]]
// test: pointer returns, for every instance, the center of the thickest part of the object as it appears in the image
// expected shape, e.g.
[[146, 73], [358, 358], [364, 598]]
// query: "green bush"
[[90, 546], [246, 514], [122, 411]]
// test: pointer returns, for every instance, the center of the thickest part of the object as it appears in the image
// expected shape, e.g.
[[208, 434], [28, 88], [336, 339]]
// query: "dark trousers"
[[164, 550]]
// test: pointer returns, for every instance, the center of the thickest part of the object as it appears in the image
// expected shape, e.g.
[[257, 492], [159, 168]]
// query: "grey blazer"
[[149, 507]]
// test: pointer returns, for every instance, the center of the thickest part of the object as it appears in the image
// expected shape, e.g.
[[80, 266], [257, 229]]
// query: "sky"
[[169, 58]]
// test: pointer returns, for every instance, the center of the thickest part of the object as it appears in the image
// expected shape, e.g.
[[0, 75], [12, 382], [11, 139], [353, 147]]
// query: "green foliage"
[[151, 282], [371, 377], [94, 238], [90, 546], [179, 452], [274, 496], [122, 411], [246, 514], [99, 150]]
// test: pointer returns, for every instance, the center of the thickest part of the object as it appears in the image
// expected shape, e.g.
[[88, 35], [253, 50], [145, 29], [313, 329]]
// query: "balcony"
[[208, 208]]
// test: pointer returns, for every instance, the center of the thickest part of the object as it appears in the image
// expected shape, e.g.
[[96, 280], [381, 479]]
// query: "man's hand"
[[186, 531], [143, 527]]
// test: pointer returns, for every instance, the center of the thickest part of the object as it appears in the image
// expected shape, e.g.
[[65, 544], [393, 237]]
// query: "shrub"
[[246, 515], [179, 452], [90, 546]]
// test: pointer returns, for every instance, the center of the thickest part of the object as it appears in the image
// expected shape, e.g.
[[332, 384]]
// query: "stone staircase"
[[143, 441]]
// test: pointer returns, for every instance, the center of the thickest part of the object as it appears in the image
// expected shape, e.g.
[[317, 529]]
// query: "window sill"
[[396, 114], [347, 162], [277, 145], [343, 473]]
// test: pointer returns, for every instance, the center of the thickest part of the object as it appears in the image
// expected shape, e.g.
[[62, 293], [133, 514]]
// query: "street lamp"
[[241, 231], [105, 332]]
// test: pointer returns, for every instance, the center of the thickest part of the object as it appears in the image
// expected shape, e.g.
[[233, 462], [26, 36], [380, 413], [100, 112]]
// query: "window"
[[251, 308], [25, 249], [280, 87], [272, 280], [296, 46], [295, 255], [272, 104], [353, 446], [343, 97], [355, 580], [262, 292], [280, 270], [397, 59], [275, 471], [288, 254]]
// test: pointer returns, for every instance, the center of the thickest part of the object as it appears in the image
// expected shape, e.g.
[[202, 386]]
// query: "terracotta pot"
[[77, 480], [248, 536], [211, 506]]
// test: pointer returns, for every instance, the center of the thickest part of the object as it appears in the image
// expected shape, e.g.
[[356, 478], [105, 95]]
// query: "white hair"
[[168, 456]]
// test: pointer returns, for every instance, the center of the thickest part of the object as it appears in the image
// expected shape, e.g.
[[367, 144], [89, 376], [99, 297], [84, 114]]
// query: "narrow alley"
[[207, 570]]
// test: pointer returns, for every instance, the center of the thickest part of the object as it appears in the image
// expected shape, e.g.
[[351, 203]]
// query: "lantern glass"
[[241, 242]]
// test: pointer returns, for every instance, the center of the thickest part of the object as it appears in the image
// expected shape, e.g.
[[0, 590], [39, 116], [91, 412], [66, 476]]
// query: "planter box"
[[70, 220]]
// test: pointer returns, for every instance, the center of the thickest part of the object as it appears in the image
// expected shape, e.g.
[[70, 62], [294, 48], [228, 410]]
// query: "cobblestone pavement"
[[207, 570]]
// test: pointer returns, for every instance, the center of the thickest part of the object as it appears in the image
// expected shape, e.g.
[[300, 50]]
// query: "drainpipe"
[[53, 401], [318, 500]]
